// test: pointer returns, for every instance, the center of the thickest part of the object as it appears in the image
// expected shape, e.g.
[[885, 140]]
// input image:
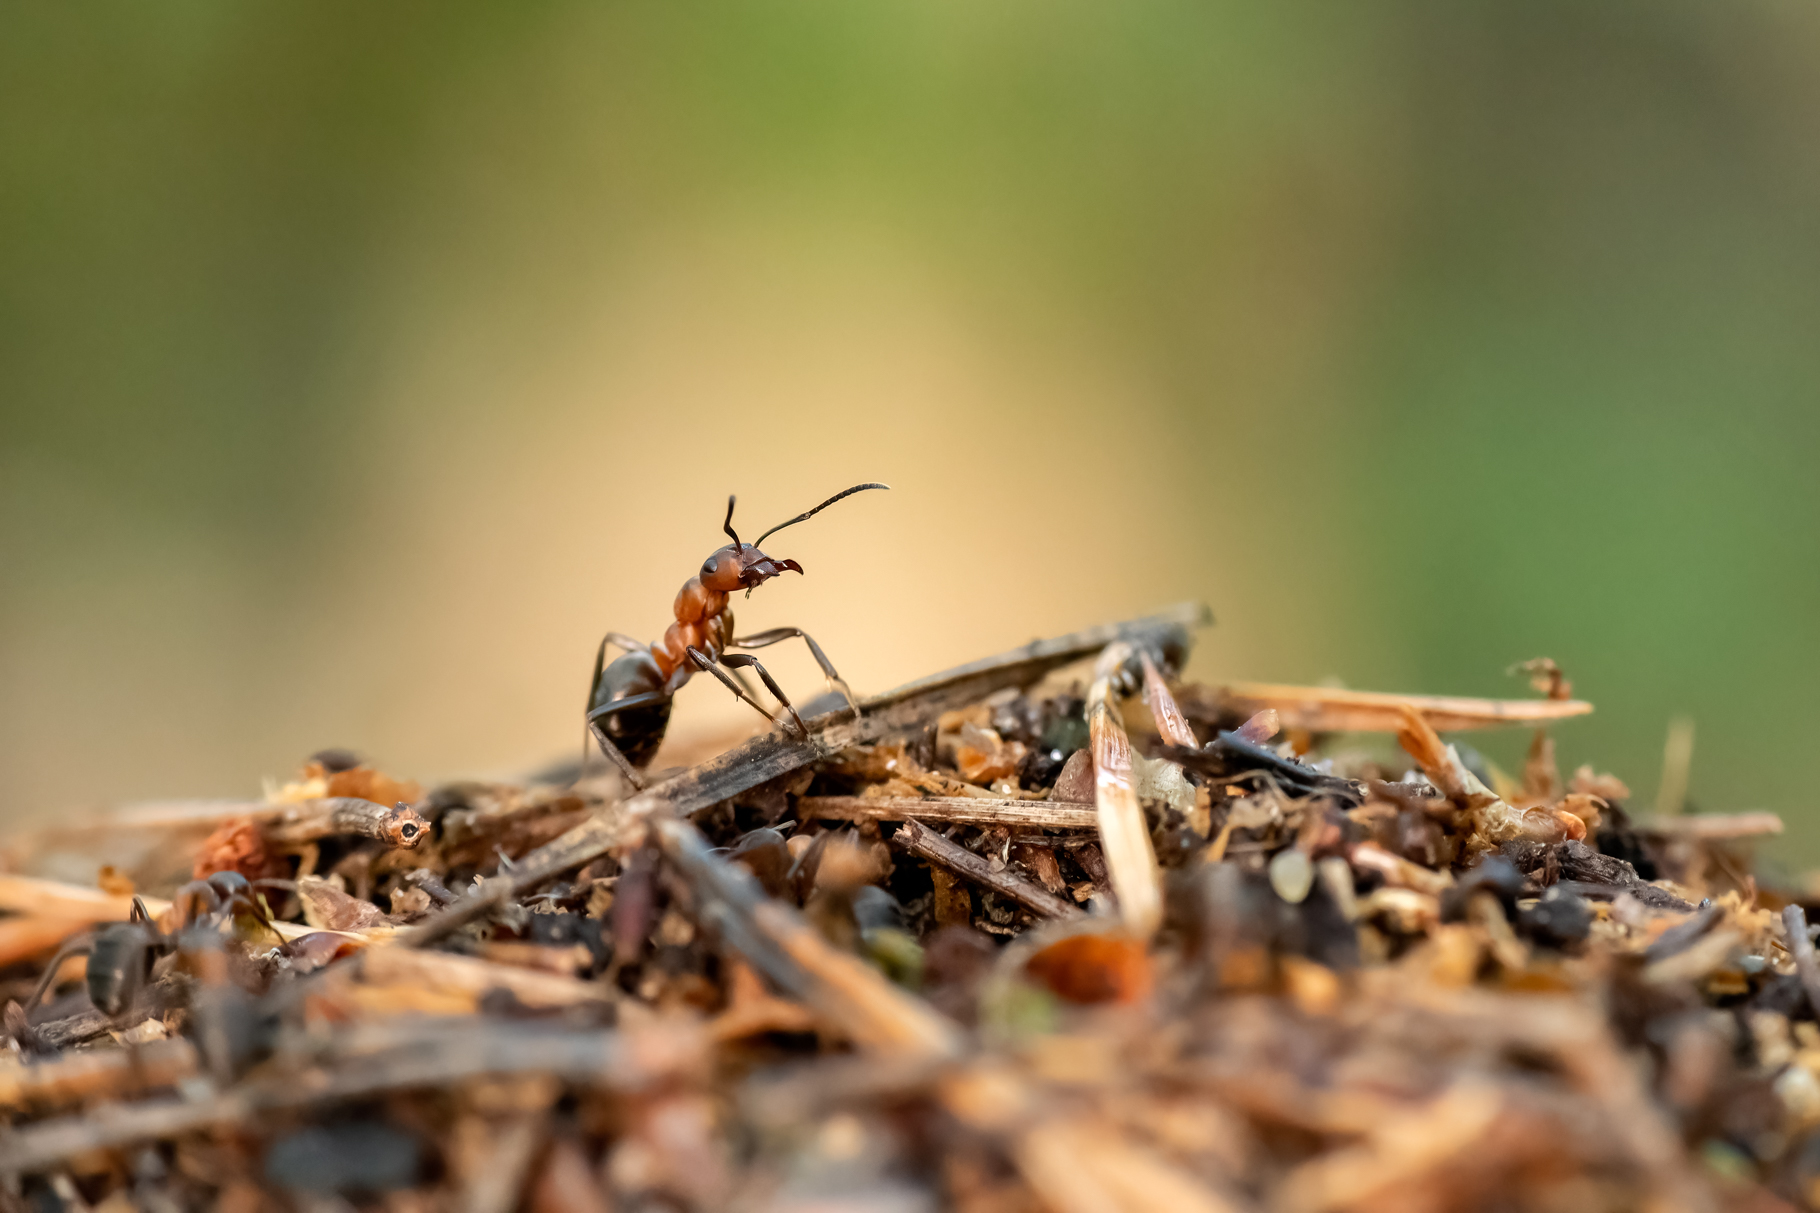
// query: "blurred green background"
[[360, 364]]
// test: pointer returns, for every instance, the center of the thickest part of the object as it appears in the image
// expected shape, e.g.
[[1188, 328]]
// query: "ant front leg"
[[704, 662], [761, 639]]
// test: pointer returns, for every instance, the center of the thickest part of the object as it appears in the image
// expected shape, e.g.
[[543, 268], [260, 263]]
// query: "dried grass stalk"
[[1124, 833]]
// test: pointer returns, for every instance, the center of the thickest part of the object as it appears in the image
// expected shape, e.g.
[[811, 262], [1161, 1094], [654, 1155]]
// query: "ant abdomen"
[[636, 731]]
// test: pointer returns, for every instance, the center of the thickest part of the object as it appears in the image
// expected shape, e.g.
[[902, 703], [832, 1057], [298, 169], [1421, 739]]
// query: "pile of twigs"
[[1009, 939]]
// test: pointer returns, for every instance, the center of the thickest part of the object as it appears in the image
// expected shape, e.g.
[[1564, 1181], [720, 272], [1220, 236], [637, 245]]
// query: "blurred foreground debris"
[[1050, 931]]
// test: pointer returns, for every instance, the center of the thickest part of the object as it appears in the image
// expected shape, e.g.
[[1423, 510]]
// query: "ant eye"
[[707, 568]]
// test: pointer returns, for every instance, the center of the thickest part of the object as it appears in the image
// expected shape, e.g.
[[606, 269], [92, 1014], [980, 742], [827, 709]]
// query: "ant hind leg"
[[607, 747], [627, 771], [77, 946]]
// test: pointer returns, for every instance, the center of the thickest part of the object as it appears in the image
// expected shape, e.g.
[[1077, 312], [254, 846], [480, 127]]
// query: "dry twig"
[[925, 843]]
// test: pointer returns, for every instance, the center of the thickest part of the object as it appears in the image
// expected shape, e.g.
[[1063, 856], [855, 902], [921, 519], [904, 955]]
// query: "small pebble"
[[1075, 784], [352, 1156], [1291, 875]]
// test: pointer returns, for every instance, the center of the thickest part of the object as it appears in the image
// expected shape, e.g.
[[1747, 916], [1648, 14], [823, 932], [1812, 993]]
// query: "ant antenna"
[[727, 526], [808, 514]]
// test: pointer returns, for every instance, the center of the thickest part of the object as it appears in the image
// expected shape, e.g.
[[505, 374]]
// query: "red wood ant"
[[629, 700], [121, 954]]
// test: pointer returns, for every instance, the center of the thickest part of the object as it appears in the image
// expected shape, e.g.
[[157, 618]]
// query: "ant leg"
[[704, 662], [627, 771], [78, 946], [760, 640], [612, 751], [600, 656], [185, 899], [737, 660]]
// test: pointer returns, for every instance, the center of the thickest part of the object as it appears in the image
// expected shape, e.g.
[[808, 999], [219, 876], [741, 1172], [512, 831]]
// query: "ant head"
[[741, 566]]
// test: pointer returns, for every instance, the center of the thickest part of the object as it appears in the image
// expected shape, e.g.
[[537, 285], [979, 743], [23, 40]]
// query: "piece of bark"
[[1075, 784], [1041, 860], [1027, 814], [919, 840], [327, 908], [1592, 873], [1577, 861], [81, 1028], [953, 899]]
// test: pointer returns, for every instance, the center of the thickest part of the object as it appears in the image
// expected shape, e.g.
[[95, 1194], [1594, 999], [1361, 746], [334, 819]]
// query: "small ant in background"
[[629, 701], [121, 954]]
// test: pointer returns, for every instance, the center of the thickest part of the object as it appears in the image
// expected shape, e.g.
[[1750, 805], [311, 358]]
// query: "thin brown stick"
[[1794, 920], [1328, 710], [1030, 814], [762, 759], [473, 977], [79, 1077], [924, 843], [420, 1055], [333, 816], [1712, 827]]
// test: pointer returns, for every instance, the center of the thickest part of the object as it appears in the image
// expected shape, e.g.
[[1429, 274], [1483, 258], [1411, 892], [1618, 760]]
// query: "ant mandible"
[[629, 700]]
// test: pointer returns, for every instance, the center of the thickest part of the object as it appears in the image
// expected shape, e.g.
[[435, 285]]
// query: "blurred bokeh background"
[[360, 365]]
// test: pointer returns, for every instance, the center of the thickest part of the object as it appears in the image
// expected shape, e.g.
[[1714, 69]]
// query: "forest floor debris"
[[1053, 931]]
